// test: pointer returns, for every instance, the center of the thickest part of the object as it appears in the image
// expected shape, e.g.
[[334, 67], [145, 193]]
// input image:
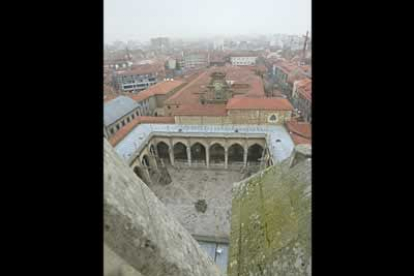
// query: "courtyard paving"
[[190, 185]]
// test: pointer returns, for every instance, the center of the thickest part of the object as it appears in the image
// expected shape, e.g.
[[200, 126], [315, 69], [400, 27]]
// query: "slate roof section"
[[279, 142], [117, 108], [138, 120]]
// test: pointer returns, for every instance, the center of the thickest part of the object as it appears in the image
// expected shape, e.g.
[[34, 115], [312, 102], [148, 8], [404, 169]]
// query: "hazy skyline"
[[141, 20]]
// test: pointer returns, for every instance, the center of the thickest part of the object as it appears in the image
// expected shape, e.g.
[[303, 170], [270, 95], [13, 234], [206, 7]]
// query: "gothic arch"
[[198, 152], [145, 161], [138, 171], [236, 153], [254, 153], [163, 150], [217, 153], [180, 151]]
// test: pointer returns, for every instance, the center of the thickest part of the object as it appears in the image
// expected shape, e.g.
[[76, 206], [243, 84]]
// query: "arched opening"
[[217, 153], [180, 152], [138, 171], [198, 152], [163, 150], [236, 153], [254, 154], [145, 161]]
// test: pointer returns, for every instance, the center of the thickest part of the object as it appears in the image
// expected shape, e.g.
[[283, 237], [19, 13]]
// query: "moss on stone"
[[270, 226]]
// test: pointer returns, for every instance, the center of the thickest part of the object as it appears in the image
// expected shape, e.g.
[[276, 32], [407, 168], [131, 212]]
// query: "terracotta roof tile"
[[300, 132], [304, 87], [160, 88]]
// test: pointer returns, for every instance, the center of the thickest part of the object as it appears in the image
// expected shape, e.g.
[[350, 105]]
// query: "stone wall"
[[271, 222], [203, 120], [258, 116], [242, 117], [152, 104], [116, 266], [141, 231]]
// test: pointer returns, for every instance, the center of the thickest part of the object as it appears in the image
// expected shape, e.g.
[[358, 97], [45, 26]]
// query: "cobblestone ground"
[[190, 185]]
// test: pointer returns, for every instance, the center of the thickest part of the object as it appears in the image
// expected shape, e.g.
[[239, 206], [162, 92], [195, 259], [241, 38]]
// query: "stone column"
[[245, 158], [171, 156], [226, 158], [154, 161], [189, 155], [148, 174], [153, 158], [208, 157], [155, 150]]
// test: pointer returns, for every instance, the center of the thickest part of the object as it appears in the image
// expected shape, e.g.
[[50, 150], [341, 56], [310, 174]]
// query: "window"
[[272, 118], [128, 120], [112, 131], [123, 123], [133, 116], [117, 127]]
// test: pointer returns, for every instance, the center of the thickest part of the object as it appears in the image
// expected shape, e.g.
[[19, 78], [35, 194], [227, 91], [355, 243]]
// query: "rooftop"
[[138, 120], [117, 108], [247, 103], [279, 142], [304, 88], [300, 132], [160, 88]]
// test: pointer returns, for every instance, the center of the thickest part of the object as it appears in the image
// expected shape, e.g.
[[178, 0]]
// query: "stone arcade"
[[185, 165]]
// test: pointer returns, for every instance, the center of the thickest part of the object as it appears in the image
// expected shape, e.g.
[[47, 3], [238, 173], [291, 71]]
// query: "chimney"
[[300, 153]]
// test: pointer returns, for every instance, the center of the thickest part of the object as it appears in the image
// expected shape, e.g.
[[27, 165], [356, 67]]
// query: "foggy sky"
[[143, 19]]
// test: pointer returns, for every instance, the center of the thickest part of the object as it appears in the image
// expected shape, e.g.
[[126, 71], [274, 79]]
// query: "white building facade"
[[243, 60]]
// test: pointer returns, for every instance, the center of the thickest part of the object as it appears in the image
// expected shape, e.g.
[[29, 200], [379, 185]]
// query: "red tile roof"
[[160, 88], [304, 87], [201, 110], [260, 68], [300, 132], [138, 120], [186, 95], [248, 103], [245, 83]]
